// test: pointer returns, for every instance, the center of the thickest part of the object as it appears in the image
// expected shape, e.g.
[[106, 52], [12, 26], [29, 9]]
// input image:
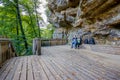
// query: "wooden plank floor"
[[62, 63], [106, 48]]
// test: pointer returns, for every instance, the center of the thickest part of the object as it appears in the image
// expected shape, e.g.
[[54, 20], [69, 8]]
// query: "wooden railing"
[[53, 42], [6, 50], [37, 43]]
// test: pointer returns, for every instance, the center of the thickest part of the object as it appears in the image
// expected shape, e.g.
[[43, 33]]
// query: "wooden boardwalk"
[[62, 63]]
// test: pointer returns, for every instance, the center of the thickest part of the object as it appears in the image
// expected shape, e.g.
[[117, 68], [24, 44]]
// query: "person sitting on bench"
[[74, 42]]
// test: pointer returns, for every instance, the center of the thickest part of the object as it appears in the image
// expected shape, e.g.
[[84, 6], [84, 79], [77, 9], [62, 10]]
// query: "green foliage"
[[47, 33], [10, 27]]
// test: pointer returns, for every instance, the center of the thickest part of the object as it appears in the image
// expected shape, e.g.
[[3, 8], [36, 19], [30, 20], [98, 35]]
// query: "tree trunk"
[[20, 23], [17, 32], [33, 27], [17, 27], [37, 19]]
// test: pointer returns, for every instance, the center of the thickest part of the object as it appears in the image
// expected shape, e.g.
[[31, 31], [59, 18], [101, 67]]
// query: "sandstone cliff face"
[[101, 18]]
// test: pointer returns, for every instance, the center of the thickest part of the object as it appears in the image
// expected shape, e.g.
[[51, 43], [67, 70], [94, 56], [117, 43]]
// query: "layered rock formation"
[[101, 18]]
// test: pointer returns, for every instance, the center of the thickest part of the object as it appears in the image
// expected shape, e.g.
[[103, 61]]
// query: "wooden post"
[[38, 42], [49, 42], [36, 46], [9, 50], [0, 55]]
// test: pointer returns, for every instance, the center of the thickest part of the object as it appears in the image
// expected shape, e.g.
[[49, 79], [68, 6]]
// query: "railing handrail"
[[54, 39], [4, 39], [51, 42], [7, 50]]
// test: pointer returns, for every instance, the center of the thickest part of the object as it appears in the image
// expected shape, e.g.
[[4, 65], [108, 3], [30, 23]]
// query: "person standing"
[[86, 40], [74, 42], [91, 40], [79, 42]]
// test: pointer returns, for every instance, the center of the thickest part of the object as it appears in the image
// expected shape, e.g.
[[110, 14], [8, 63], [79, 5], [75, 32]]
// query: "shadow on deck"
[[62, 63]]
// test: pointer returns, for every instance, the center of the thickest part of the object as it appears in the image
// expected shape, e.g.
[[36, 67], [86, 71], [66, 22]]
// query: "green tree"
[[48, 32], [18, 21]]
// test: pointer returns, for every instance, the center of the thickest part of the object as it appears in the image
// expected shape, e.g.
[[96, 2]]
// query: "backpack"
[[79, 40]]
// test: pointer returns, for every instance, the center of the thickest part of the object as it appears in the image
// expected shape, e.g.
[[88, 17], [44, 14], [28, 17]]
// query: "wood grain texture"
[[62, 63]]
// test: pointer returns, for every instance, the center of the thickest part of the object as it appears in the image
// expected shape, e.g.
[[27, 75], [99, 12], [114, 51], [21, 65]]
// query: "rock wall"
[[60, 33], [101, 18]]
